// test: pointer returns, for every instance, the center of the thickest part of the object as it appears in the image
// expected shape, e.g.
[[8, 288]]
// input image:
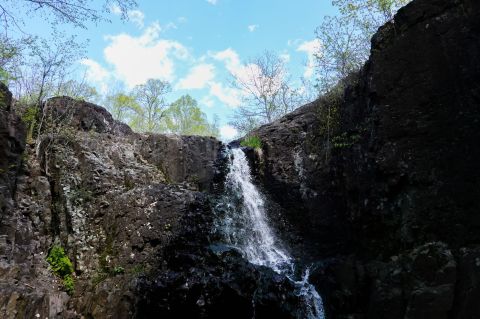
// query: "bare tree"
[[266, 91], [345, 38], [74, 12], [45, 67], [344, 49], [40, 73]]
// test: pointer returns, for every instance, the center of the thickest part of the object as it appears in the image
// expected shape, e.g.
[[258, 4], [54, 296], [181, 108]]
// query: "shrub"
[[61, 266], [251, 141], [69, 284]]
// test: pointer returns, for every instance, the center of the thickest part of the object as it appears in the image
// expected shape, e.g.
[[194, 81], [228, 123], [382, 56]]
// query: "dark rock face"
[[127, 211], [184, 158], [12, 145], [392, 209], [87, 188], [84, 116]]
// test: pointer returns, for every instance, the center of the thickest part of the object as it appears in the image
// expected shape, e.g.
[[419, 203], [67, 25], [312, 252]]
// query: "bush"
[[251, 141], [69, 284], [61, 266]]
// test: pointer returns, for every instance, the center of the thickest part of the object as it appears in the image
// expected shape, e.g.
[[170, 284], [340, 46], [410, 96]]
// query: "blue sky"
[[195, 43]]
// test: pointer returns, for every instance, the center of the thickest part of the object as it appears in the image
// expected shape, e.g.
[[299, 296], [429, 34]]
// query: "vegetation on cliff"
[[61, 266]]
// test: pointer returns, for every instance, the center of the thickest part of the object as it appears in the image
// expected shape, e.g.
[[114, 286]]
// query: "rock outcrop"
[[387, 202], [86, 187], [133, 214]]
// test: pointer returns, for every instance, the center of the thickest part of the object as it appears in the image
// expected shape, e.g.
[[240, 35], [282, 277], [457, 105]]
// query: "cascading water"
[[244, 225]]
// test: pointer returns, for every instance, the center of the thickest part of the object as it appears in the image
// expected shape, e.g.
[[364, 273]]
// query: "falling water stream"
[[244, 225]]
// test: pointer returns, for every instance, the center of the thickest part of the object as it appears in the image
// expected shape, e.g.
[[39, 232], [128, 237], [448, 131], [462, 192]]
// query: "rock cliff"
[[385, 203], [131, 212], [93, 187]]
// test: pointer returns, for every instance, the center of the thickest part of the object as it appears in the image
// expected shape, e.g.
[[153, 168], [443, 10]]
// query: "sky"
[[194, 44]]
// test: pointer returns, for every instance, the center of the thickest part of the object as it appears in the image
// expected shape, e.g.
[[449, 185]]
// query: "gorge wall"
[[382, 201], [134, 215], [387, 206]]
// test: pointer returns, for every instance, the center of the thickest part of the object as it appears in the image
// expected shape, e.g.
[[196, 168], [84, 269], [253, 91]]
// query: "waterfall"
[[244, 225]]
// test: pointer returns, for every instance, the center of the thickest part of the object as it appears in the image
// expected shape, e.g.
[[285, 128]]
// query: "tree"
[[184, 117], [345, 39], [40, 73], [77, 90], [9, 51], [44, 68], [266, 90], [123, 107], [151, 97], [74, 12]]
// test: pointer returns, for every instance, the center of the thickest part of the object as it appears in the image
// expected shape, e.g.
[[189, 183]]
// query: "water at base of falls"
[[244, 225]]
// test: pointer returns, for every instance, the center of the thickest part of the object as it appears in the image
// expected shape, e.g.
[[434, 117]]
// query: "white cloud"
[[252, 27], [311, 48], [228, 132], [207, 100], [198, 78], [137, 17], [137, 59], [231, 59], [214, 2], [95, 73], [231, 97]]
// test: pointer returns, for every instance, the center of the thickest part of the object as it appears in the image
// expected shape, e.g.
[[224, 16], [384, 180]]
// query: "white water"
[[245, 225]]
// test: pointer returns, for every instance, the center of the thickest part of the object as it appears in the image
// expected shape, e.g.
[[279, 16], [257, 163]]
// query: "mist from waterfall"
[[244, 225]]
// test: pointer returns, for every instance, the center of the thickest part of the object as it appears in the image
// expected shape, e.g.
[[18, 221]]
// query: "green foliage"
[[151, 97], [8, 52], [59, 262], [61, 266], [69, 284], [252, 141], [123, 107], [184, 117], [30, 118]]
